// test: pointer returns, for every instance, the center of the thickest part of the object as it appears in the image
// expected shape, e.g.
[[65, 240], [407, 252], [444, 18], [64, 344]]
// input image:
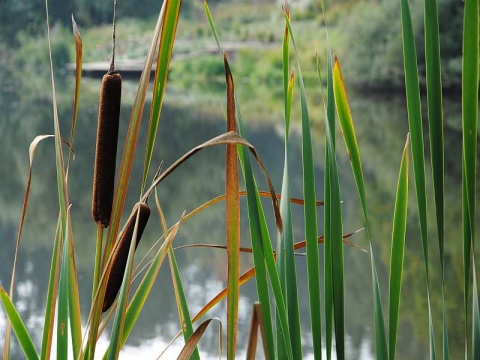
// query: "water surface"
[[381, 126]]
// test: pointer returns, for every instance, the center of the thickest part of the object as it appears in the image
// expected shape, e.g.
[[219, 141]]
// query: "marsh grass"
[[277, 313]]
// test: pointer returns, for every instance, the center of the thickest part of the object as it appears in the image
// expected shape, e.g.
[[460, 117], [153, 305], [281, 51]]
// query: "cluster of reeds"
[[274, 271]]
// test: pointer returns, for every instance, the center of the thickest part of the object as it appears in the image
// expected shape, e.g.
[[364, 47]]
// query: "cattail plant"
[[120, 256], [107, 138]]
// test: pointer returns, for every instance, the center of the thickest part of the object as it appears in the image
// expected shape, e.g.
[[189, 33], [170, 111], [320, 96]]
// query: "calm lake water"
[[381, 126]]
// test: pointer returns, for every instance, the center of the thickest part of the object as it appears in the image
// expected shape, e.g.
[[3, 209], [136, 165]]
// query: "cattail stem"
[[98, 261], [112, 61]]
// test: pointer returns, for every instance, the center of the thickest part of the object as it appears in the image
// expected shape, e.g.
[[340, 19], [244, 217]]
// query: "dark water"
[[381, 126]]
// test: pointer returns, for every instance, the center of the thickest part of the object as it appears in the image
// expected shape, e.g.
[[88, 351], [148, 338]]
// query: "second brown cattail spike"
[[107, 139], [120, 256]]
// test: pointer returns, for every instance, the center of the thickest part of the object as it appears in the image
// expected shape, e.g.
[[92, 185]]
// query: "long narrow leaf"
[[75, 318], [167, 39], [310, 214], [185, 320], [287, 242], [475, 318], [412, 89], [397, 252], [337, 262], [18, 326], [32, 151], [232, 210], [435, 115], [191, 344], [51, 294], [435, 126], [62, 318], [262, 249], [73, 294], [346, 123], [63, 203], [182, 304], [327, 249], [469, 131]]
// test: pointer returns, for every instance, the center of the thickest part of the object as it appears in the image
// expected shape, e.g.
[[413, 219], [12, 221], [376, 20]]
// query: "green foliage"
[[31, 57], [369, 42]]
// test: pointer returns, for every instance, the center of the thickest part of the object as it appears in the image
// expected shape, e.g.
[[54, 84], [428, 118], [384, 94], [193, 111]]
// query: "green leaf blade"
[[310, 213], [336, 246], [397, 251], [167, 40], [62, 319], [346, 123], [18, 326], [232, 215], [290, 272], [414, 110], [187, 326], [469, 133]]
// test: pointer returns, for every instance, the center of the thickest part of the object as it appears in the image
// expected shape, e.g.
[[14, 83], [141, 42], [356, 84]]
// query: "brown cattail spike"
[[120, 256], [106, 149]]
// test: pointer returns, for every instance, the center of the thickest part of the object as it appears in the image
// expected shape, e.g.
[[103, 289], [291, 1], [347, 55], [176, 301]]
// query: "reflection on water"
[[381, 128]]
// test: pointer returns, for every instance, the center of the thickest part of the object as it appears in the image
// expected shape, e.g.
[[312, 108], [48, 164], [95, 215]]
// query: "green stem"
[[98, 260]]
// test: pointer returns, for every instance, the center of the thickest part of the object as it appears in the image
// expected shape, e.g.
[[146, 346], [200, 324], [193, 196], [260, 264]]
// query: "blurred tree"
[[370, 44]]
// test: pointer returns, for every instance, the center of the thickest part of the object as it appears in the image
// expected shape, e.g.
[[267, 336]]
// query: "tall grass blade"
[[73, 296], [185, 320], [62, 318], [75, 318], [337, 264], [285, 244], [333, 249], [310, 214], [327, 250], [211, 23], [260, 273], [412, 89], [469, 131], [348, 131], [397, 251], [63, 203], [263, 256], [18, 326], [435, 115], [435, 126], [291, 291], [191, 344], [281, 248], [32, 151], [182, 305], [475, 318], [232, 216], [262, 249], [78, 81], [167, 39], [51, 294]]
